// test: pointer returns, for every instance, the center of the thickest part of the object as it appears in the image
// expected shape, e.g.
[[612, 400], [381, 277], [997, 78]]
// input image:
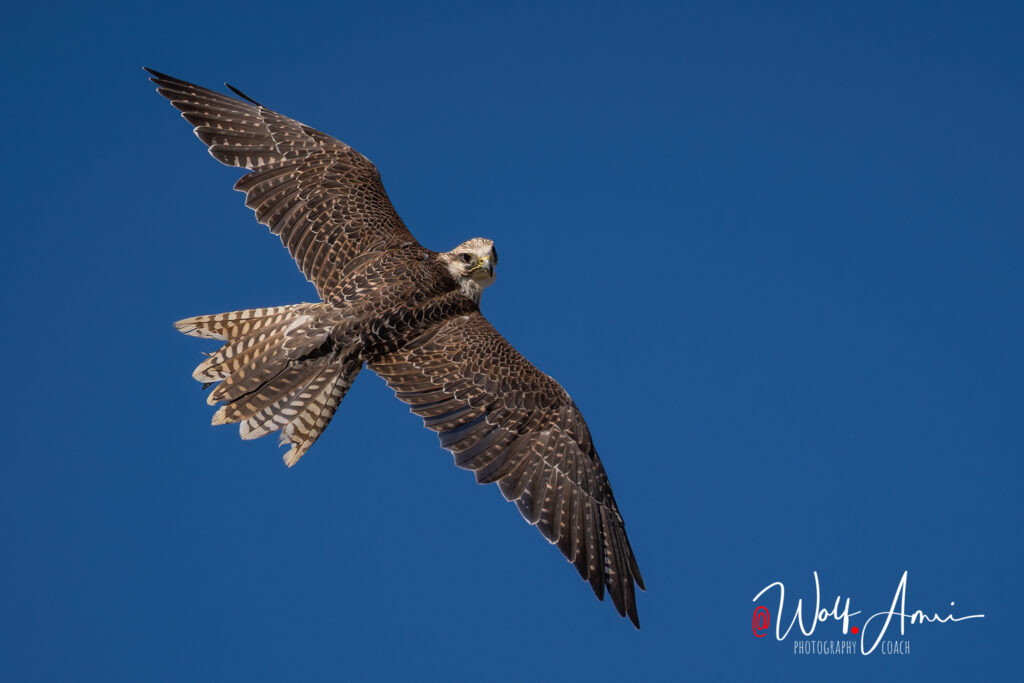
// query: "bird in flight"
[[411, 315]]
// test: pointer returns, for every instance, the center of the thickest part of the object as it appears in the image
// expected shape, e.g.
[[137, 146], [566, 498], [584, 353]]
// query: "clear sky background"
[[773, 254]]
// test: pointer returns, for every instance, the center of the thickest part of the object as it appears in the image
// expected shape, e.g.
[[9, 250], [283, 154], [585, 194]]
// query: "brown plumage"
[[410, 314]]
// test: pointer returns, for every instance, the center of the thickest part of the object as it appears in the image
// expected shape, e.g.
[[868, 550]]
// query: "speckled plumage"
[[412, 316]]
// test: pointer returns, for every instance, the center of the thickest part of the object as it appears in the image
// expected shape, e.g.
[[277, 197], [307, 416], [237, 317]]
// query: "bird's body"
[[410, 314]]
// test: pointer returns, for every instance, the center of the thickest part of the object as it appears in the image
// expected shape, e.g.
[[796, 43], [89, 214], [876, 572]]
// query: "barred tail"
[[276, 372]]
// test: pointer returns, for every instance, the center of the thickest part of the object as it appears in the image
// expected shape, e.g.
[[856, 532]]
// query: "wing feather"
[[324, 199], [510, 423]]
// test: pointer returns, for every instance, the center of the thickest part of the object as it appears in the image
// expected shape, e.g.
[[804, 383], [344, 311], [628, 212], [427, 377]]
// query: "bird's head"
[[472, 264]]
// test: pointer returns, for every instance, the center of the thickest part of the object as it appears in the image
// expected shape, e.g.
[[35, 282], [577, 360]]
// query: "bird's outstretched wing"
[[324, 199], [512, 424]]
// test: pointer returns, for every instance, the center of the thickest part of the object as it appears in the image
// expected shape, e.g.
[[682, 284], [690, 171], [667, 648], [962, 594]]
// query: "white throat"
[[471, 288]]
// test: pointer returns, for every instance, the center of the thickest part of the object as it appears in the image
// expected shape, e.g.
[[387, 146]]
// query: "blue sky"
[[773, 254]]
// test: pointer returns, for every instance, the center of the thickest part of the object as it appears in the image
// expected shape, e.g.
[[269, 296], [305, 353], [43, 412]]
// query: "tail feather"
[[311, 421], [272, 395], [237, 323], [265, 365], [236, 354], [242, 350], [278, 414], [276, 372]]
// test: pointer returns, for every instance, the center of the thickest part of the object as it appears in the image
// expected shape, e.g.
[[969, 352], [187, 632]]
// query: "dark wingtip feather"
[[597, 584], [636, 571], [242, 94], [634, 617], [159, 77]]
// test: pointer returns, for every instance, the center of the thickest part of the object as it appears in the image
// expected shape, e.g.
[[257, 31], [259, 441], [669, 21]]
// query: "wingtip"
[[597, 587], [635, 571], [156, 76], [241, 94]]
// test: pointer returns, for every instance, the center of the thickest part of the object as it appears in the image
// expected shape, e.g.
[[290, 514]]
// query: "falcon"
[[411, 315]]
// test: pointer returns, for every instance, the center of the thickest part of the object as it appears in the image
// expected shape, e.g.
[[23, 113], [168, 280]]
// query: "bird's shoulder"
[[409, 267]]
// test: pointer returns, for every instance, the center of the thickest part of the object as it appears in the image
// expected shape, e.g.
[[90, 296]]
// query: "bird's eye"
[[467, 259]]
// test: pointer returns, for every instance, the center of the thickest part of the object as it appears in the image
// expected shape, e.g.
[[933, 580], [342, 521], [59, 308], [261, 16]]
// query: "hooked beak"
[[485, 263]]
